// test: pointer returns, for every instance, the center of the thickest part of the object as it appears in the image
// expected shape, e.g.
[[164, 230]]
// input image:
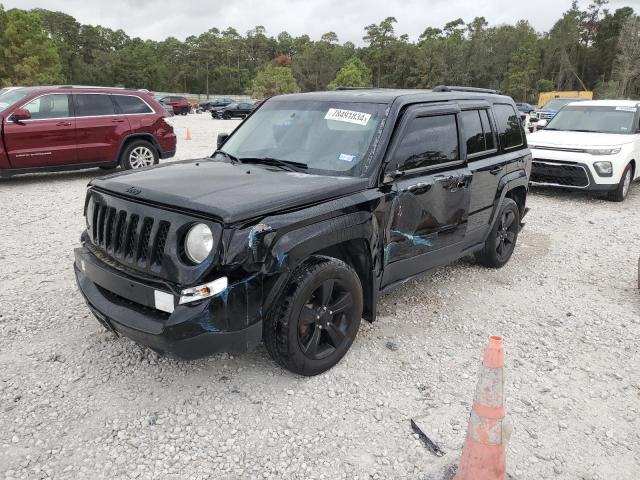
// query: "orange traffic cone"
[[483, 455], [188, 137]]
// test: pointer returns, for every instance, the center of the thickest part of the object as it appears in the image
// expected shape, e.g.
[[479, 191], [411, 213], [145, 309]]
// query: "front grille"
[[127, 237], [144, 240], [567, 175]]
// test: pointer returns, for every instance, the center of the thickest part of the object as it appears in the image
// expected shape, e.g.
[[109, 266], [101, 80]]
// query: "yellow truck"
[[546, 97]]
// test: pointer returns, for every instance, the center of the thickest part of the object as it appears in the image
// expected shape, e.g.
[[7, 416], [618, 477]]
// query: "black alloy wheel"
[[506, 235], [324, 321]]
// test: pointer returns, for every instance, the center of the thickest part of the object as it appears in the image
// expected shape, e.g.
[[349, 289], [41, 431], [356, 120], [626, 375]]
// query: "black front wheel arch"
[[317, 318]]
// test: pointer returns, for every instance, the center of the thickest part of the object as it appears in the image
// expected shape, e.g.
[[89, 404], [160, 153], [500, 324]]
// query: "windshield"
[[578, 118], [557, 103], [10, 96], [329, 137]]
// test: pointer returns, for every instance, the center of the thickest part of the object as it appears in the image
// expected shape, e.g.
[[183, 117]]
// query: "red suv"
[[66, 128], [180, 105]]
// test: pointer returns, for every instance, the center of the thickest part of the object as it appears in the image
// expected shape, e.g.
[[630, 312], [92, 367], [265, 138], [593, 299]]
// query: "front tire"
[[622, 190], [317, 319], [501, 242], [139, 154]]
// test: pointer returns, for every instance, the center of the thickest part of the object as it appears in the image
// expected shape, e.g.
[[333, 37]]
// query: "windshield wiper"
[[227, 155], [284, 164]]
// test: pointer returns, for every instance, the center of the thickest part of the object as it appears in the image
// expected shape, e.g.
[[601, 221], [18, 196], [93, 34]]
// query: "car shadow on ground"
[[33, 178], [578, 195]]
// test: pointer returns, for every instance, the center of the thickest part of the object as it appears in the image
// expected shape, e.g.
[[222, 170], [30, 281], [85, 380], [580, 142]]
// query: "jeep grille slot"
[[145, 236], [161, 240], [131, 236]]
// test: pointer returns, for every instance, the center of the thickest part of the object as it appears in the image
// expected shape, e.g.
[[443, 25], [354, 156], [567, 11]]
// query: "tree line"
[[591, 49]]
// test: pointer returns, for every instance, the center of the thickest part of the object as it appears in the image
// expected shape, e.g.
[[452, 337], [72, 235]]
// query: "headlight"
[[604, 169], [198, 243], [603, 151]]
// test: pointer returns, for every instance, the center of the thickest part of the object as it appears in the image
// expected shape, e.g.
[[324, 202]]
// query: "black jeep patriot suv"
[[315, 205]]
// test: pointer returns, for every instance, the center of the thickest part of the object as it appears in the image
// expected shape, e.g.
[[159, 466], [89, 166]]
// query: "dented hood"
[[232, 192]]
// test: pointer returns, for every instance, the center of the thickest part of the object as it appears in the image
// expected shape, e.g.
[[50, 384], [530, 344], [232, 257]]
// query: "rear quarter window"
[[130, 105], [509, 126]]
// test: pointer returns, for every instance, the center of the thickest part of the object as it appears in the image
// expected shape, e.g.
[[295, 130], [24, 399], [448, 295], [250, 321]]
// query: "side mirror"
[[21, 114], [222, 137]]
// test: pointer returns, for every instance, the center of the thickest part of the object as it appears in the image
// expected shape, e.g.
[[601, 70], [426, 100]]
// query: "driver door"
[[430, 196], [48, 138]]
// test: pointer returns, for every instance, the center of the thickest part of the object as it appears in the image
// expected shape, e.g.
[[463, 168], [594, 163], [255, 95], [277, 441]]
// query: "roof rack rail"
[[448, 88], [90, 86], [354, 88]]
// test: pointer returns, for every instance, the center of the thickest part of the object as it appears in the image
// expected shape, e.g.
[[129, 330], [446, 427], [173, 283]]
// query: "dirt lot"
[[77, 403]]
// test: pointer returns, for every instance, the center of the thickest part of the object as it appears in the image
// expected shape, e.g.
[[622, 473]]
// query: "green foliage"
[[273, 80], [523, 67], [585, 49], [27, 55], [545, 85], [354, 73]]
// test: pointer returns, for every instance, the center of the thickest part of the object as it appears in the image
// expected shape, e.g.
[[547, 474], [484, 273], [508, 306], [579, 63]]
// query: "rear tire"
[[226, 116], [622, 190], [317, 319], [139, 154], [501, 241]]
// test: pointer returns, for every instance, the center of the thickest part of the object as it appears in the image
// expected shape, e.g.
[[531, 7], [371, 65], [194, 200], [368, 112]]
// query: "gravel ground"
[[77, 403]]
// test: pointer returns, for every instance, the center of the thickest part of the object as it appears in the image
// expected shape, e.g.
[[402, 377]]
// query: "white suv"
[[589, 145]]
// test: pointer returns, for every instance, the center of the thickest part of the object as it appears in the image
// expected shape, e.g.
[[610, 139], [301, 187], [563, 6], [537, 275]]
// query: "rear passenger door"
[[494, 143], [99, 128], [430, 196]]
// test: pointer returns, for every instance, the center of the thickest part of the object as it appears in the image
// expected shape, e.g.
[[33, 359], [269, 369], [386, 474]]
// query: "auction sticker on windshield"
[[348, 116]]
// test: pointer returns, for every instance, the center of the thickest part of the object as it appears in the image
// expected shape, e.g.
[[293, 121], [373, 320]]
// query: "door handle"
[[496, 170], [118, 120], [63, 124]]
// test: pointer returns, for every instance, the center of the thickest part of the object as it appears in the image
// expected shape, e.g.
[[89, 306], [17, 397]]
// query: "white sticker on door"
[[348, 116]]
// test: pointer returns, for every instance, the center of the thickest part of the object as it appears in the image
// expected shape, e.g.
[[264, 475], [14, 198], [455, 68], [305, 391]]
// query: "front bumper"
[[570, 175], [230, 322]]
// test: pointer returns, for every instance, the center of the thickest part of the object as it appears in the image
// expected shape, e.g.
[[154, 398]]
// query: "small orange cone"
[[188, 137], [483, 455]]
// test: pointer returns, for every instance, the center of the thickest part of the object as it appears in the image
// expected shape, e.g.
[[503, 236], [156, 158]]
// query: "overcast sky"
[[158, 19]]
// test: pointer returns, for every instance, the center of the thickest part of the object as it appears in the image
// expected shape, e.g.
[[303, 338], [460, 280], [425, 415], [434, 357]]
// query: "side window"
[[509, 127], [49, 106], [94, 105], [427, 142], [130, 105], [489, 133], [473, 133]]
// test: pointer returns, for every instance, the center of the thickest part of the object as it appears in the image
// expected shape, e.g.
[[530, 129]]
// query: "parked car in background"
[[590, 145], [549, 110], [168, 109], [215, 103], [525, 107], [233, 110], [180, 105], [66, 128], [304, 216]]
